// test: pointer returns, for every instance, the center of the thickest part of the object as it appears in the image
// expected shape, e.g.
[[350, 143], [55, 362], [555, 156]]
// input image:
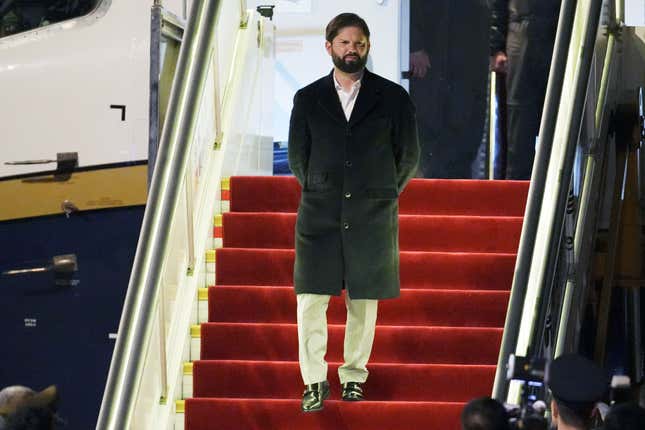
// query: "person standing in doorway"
[[353, 147], [448, 72], [521, 45]]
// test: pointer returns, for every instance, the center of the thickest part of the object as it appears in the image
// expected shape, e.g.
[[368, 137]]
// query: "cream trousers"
[[312, 338]]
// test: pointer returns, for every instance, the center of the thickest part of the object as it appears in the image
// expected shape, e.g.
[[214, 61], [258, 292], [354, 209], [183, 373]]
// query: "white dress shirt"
[[348, 99]]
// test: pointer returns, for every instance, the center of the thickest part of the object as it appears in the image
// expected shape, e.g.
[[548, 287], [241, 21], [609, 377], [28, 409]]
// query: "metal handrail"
[[136, 326], [588, 210], [534, 198], [548, 195], [244, 16], [559, 177], [492, 132]]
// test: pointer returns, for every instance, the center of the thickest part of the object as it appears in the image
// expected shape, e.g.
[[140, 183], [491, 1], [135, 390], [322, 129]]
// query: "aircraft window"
[[17, 16]]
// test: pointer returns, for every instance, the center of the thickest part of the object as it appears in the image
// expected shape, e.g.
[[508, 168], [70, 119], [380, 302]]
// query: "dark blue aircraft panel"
[[56, 334]]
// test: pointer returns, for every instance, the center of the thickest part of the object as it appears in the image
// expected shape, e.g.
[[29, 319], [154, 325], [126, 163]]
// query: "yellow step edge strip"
[[218, 220], [210, 256], [188, 368], [195, 331], [202, 294], [226, 183], [180, 406]]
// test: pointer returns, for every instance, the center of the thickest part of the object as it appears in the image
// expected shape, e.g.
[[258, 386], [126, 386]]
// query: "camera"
[[529, 414], [530, 371]]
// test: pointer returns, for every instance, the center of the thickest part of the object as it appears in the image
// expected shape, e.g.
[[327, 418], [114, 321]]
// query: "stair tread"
[[439, 196], [387, 381], [402, 217], [432, 270], [382, 327], [285, 414], [411, 290], [392, 344], [380, 364], [416, 232], [415, 307], [297, 401]]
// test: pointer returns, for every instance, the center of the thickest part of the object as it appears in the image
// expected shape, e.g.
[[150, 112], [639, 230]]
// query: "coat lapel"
[[368, 96], [329, 99]]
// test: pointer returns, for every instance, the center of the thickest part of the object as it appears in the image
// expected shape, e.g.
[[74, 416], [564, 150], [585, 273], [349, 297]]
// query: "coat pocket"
[[317, 181], [381, 193]]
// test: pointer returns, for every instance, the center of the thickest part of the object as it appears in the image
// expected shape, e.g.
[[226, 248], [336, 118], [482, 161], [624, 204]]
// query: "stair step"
[[285, 414], [387, 381], [416, 232], [421, 196], [423, 270], [277, 304], [392, 344]]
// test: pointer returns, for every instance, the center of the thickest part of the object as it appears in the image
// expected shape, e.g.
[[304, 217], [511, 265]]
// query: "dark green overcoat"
[[351, 173]]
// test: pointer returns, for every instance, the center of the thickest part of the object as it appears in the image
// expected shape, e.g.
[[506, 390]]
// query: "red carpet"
[[435, 347]]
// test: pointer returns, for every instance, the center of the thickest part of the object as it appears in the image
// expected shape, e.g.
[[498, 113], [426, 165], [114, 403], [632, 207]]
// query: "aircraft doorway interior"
[[449, 57], [438, 51], [301, 58]]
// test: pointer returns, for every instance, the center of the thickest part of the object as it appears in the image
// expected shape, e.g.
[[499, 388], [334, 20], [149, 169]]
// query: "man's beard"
[[351, 66]]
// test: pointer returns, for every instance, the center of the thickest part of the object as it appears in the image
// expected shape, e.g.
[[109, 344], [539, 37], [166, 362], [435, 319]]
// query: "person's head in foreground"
[[484, 413], [577, 384], [22, 408]]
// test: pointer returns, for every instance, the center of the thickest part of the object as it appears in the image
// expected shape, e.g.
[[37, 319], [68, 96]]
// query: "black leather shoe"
[[314, 395], [353, 392]]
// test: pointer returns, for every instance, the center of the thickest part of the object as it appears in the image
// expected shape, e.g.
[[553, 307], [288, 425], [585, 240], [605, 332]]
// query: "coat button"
[[346, 226], [348, 195], [348, 163]]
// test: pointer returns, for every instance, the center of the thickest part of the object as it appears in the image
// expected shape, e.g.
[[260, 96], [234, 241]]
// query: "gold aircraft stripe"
[[84, 190]]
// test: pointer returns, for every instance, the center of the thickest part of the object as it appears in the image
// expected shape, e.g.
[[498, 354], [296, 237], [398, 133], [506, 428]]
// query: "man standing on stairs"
[[353, 147]]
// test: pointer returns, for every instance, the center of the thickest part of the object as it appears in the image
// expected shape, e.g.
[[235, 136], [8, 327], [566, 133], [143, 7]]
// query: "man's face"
[[349, 49]]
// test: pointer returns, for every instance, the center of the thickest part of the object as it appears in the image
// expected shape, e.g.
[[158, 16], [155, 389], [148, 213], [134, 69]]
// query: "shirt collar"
[[355, 86]]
